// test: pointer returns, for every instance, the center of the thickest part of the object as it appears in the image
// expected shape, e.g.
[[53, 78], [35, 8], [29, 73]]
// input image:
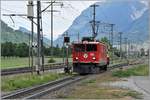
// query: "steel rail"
[[40, 90], [56, 87], [52, 66], [29, 69], [23, 93]]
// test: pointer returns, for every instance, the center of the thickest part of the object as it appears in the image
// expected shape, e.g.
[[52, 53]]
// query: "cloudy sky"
[[62, 19]]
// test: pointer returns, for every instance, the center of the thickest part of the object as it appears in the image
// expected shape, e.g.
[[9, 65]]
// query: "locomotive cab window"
[[79, 47], [91, 47]]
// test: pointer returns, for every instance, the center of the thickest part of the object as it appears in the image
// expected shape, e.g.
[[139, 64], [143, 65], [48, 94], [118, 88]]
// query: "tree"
[[107, 42], [142, 52], [22, 50], [8, 49], [57, 51]]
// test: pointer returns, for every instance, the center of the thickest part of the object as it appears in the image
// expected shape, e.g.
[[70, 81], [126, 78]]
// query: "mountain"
[[17, 36], [46, 41], [24, 30], [139, 28], [129, 17]]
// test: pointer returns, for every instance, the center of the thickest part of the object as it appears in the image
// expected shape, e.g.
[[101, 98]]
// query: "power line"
[[24, 18], [77, 11]]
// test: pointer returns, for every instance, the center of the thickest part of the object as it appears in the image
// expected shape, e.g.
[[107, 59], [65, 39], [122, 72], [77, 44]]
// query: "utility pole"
[[120, 45], [51, 28], [52, 4], [112, 29], [63, 52], [128, 55], [38, 37], [93, 22], [32, 50], [149, 46], [31, 17], [78, 36], [125, 39], [29, 51], [42, 47], [40, 31]]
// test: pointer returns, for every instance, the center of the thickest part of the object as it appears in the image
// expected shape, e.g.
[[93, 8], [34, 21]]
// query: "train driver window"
[[79, 47], [91, 47]]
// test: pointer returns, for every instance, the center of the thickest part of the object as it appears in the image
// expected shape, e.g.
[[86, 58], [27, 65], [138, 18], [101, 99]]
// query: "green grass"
[[130, 93], [89, 81], [10, 83], [133, 94], [13, 62], [139, 70]]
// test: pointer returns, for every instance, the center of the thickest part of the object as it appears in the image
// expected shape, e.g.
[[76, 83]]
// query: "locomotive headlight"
[[93, 58], [76, 58]]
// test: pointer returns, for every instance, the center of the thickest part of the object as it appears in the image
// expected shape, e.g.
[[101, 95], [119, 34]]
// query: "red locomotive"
[[89, 56]]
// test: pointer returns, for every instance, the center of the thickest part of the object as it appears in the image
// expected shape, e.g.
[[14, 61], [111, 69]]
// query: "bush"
[[51, 60]]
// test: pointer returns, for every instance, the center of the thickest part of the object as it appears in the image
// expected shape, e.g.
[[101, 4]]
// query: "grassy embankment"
[[10, 83], [13, 62], [94, 88], [140, 70]]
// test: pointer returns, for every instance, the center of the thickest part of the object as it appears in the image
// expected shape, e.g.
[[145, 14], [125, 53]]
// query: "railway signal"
[[66, 41]]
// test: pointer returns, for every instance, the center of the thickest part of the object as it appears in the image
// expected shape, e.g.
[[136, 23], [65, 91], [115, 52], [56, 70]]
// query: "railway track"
[[12, 71], [46, 67], [37, 91], [40, 90]]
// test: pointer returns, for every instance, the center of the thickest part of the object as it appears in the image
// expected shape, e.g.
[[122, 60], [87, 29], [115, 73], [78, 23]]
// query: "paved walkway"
[[143, 83]]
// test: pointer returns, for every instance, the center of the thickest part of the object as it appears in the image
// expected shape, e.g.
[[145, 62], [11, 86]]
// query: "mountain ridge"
[[118, 13], [21, 35]]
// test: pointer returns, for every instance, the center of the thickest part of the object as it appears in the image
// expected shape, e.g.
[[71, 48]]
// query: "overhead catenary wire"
[[25, 18], [76, 11]]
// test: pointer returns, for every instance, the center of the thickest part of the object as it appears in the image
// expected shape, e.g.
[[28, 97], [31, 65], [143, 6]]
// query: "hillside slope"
[[17, 36]]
